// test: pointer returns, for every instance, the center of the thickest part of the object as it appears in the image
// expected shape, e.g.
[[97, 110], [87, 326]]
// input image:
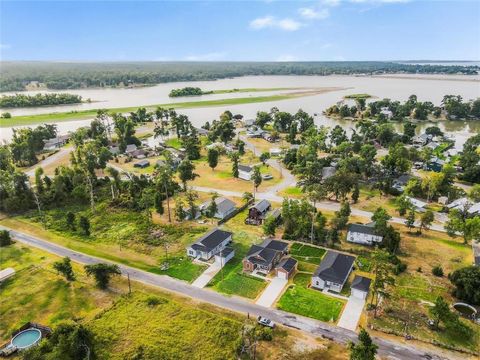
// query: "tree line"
[[17, 75], [22, 100], [188, 91], [453, 107]]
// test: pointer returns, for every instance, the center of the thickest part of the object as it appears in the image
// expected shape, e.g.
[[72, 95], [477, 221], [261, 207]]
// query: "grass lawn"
[[298, 299], [174, 143], [161, 328], [36, 293], [291, 192], [307, 253], [370, 200]]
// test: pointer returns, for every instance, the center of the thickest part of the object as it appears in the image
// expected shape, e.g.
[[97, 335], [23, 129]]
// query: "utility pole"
[[168, 202], [129, 284]]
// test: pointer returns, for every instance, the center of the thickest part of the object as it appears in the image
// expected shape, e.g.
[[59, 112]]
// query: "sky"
[[268, 30]]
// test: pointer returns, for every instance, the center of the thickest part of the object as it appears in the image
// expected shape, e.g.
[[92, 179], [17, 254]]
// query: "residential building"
[[461, 204], [224, 207], [245, 172], [286, 268], [363, 234], [333, 271], [422, 139], [264, 257], [435, 164], [360, 287], [275, 151], [142, 164], [56, 142], [224, 255], [419, 205], [210, 244], [257, 212], [328, 171], [474, 209], [400, 182], [130, 148], [386, 112]]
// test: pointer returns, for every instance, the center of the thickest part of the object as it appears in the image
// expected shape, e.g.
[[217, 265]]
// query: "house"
[[419, 205], [267, 136], [434, 164], [474, 209], [363, 234], [400, 182], [224, 207], [275, 151], [254, 132], [264, 257], [386, 112], [130, 148], [210, 244], [114, 150], [422, 140], [249, 122], [138, 154], [360, 287], [224, 255], [257, 212], [160, 163], [461, 204], [202, 131], [245, 172], [432, 145], [333, 271], [286, 268], [142, 164], [328, 171], [56, 142]]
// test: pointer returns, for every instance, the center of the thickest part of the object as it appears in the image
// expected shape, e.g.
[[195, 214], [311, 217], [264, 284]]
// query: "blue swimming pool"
[[26, 338]]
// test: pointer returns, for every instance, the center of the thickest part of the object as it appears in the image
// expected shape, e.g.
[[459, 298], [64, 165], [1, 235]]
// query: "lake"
[[395, 87]]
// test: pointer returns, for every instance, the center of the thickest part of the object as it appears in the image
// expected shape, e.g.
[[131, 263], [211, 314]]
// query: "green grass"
[[234, 282], [182, 268], [416, 287], [167, 330], [306, 253], [87, 114], [174, 143], [36, 293], [308, 302]]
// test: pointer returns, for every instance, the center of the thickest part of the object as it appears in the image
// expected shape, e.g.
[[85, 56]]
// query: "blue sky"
[[240, 30]]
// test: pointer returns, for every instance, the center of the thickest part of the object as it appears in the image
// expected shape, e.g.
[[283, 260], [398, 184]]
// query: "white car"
[[267, 177], [265, 322]]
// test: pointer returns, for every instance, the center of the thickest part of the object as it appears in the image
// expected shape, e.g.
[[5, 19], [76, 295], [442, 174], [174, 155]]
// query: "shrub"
[[265, 334], [399, 268], [437, 271], [5, 238], [154, 300]]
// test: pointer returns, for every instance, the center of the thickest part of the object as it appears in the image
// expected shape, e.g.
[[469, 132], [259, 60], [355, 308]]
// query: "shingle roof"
[[245, 168], [335, 267], [211, 240], [275, 245], [260, 255], [287, 264], [261, 205], [226, 251], [362, 229], [224, 204], [361, 283]]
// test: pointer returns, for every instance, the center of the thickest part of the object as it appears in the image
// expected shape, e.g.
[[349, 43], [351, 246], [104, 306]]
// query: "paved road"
[[387, 348], [50, 160]]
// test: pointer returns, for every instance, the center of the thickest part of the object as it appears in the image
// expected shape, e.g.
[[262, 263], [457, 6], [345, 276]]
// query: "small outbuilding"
[[142, 164], [360, 286], [245, 172]]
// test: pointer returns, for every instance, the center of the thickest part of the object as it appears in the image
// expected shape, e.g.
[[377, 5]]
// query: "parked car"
[[265, 322], [267, 177]]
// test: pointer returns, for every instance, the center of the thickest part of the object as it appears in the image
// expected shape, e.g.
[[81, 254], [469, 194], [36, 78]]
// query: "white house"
[[333, 271], [275, 151], [56, 142], [245, 172], [419, 205], [360, 287], [210, 244], [474, 209], [224, 207], [225, 255], [386, 112], [363, 234], [460, 204]]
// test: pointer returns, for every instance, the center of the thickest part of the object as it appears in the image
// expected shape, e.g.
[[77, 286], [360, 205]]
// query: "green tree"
[[102, 273], [382, 270], [426, 220], [158, 202], [257, 179], [180, 210], [5, 238], [212, 156], [264, 157], [186, 172], [365, 349], [355, 193], [402, 204], [84, 224], [467, 284], [410, 222], [212, 206], [381, 218], [459, 222], [440, 311], [70, 220], [270, 226], [235, 157], [64, 267], [192, 196]]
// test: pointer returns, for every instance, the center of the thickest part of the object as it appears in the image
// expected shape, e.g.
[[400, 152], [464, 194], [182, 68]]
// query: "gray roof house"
[[257, 212], [56, 142], [224, 207], [142, 164], [264, 257], [360, 287], [328, 171], [245, 172], [333, 271], [363, 234], [210, 244]]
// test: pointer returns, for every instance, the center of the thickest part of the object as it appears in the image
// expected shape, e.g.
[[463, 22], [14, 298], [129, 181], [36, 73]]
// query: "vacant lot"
[[301, 300]]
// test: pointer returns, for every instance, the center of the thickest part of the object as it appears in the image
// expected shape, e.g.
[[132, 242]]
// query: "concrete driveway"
[[207, 275], [272, 292], [351, 313]]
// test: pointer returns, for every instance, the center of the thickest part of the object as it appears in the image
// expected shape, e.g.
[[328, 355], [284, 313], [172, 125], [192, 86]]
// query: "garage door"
[[282, 275], [359, 294]]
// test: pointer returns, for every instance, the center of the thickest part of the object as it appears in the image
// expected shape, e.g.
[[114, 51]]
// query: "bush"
[[265, 334], [437, 271], [399, 268], [5, 238], [154, 300]]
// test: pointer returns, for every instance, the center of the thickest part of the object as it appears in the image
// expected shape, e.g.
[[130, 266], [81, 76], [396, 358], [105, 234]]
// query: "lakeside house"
[[422, 139], [385, 111], [363, 234], [210, 244], [56, 142], [224, 207], [333, 272], [245, 172], [264, 257]]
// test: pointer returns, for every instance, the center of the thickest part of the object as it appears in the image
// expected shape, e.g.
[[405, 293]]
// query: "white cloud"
[[5, 46], [309, 13], [213, 56], [286, 24], [286, 57]]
